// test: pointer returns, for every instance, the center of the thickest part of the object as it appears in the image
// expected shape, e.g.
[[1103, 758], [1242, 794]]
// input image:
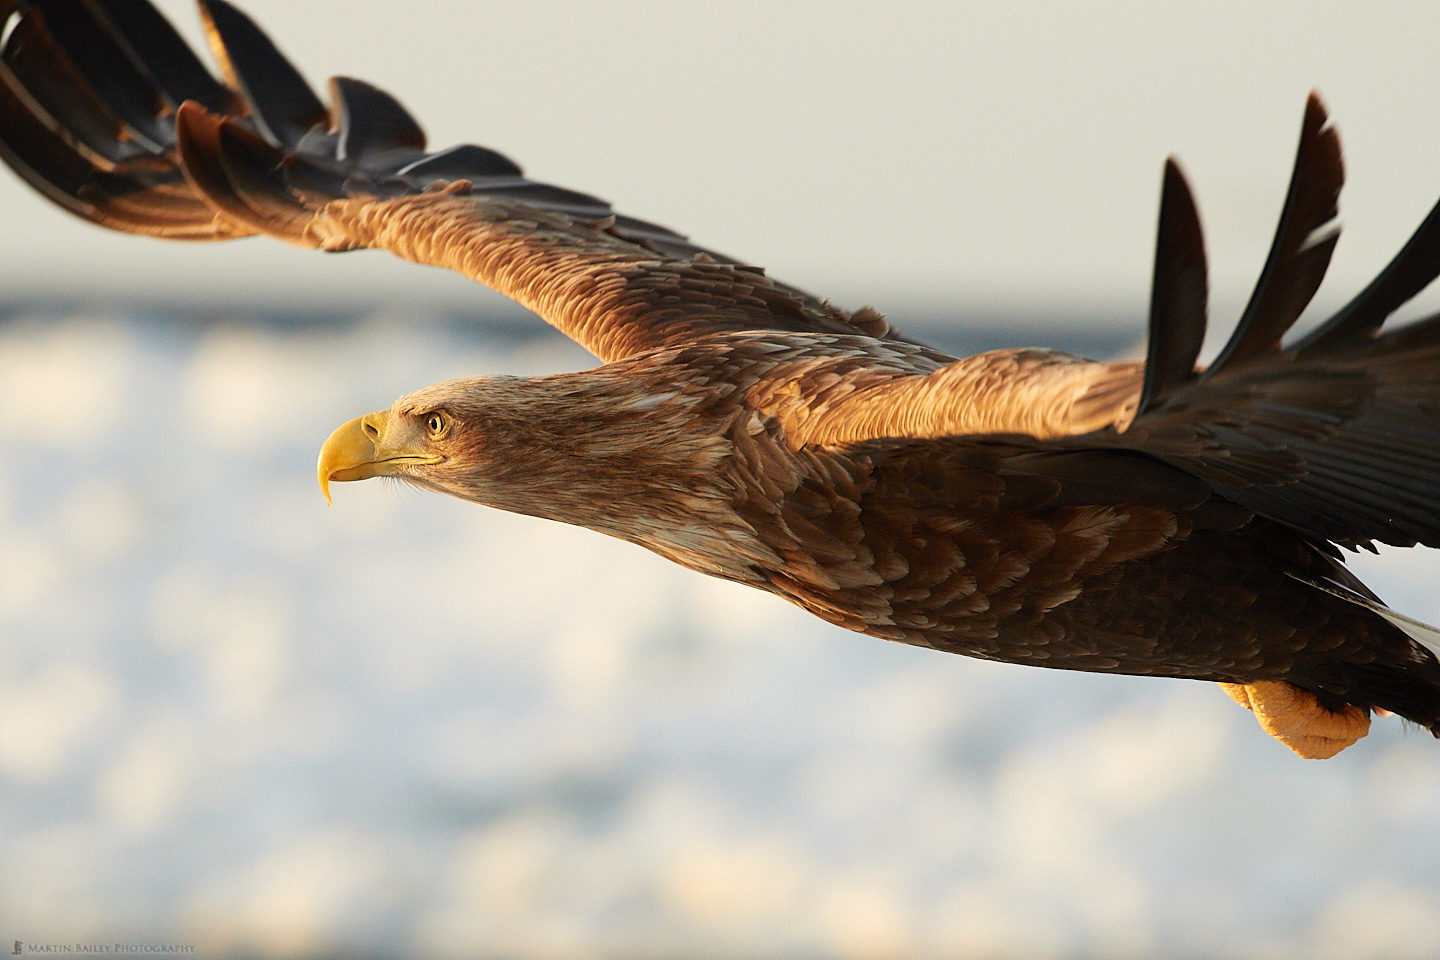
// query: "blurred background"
[[234, 719]]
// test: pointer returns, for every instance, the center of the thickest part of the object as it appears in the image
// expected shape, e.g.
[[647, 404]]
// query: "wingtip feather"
[[282, 104], [372, 122], [1179, 291], [1304, 241]]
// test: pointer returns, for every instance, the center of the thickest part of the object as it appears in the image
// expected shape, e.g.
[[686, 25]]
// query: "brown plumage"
[[1020, 505]]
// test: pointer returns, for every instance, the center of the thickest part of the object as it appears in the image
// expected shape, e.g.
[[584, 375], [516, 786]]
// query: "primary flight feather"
[[1021, 505]]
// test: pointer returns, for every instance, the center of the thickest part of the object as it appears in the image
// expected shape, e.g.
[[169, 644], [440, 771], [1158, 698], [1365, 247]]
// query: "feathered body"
[[754, 457], [1021, 505]]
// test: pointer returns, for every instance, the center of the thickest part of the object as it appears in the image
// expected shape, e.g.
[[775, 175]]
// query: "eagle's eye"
[[437, 423]]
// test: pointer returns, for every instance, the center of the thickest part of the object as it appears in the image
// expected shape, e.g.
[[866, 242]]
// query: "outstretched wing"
[[106, 111], [1336, 435]]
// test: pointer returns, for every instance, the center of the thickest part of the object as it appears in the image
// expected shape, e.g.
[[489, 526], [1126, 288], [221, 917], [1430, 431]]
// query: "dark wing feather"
[[161, 53], [105, 64], [282, 105], [1178, 292], [91, 96], [1303, 243], [1341, 443], [41, 75], [375, 130], [1412, 270]]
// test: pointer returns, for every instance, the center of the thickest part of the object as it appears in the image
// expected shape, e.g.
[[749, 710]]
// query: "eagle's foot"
[[1297, 719]]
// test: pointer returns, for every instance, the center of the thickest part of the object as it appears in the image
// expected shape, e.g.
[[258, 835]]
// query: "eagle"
[[1031, 506]]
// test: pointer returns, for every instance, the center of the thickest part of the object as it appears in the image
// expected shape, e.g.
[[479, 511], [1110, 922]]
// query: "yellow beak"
[[377, 444]]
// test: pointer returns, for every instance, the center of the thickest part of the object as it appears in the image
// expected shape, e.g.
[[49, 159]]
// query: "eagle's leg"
[[1297, 718]]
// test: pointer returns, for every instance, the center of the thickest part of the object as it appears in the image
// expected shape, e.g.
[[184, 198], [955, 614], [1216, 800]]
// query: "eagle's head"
[[447, 437], [591, 448], [506, 442]]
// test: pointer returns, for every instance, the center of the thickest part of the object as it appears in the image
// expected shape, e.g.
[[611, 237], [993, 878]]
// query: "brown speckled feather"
[[1021, 505]]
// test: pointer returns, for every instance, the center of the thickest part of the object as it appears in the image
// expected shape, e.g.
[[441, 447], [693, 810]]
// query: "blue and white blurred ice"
[[232, 717]]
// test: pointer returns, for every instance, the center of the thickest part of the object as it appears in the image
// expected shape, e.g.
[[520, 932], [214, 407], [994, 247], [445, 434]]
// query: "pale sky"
[[918, 156]]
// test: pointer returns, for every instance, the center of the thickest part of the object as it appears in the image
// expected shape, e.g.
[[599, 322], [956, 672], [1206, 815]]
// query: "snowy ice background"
[[409, 726], [233, 717]]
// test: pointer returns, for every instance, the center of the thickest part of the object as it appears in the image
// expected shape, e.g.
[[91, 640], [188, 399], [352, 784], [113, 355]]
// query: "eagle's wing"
[[1336, 435], [106, 111]]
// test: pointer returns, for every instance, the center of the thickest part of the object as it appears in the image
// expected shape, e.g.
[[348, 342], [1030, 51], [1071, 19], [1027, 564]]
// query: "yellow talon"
[[1297, 719]]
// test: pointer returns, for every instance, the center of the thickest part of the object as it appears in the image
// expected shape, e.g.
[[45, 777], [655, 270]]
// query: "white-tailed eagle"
[[1021, 505]]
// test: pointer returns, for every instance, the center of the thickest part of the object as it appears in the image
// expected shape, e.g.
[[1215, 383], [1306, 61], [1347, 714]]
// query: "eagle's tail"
[[1415, 686]]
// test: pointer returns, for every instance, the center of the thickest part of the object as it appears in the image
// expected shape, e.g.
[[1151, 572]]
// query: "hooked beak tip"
[[344, 456]]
